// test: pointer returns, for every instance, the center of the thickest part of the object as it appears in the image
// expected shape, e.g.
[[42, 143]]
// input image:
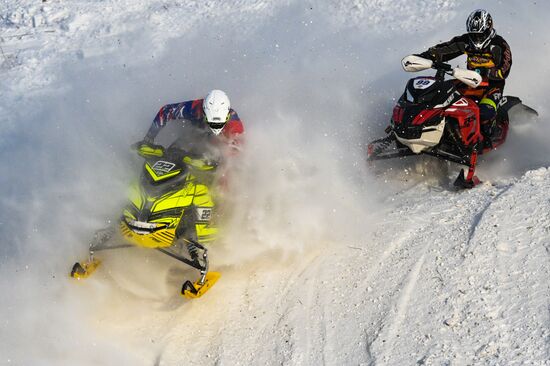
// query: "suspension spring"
[[193, 250]]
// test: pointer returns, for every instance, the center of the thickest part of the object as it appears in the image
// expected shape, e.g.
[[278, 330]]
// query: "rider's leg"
[[487, 113]]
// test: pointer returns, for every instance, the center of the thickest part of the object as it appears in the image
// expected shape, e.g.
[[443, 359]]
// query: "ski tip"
[[84, 270], [196, 290], [461, 182]]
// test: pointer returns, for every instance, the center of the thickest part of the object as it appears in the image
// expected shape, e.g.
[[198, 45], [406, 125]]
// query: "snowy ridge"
[[325, 260], [35, 34]]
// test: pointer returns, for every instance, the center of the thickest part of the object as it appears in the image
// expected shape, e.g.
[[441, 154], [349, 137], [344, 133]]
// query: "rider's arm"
[[233, 136], [233, 130], [502, 56], [447, 50], [170, 112]]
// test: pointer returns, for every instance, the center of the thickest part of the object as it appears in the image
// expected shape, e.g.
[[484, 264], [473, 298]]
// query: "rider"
[[489, 55], [209, 124], [212, 117]]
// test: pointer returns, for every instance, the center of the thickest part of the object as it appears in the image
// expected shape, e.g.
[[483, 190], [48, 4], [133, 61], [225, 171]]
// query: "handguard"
[[468, 77], [199, 164], [146, 150], [413, 63]]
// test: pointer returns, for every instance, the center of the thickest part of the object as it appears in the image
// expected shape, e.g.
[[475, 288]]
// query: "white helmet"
[[216, 110]]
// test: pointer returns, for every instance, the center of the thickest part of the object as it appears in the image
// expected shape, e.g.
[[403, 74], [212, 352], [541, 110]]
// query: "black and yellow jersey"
[[493, 61]]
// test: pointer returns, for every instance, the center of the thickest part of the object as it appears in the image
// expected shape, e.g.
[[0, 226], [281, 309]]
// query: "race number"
[[204, 213], [423, 83]]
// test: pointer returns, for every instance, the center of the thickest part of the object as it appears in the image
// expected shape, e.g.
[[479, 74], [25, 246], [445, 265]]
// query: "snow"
[[325, 260]]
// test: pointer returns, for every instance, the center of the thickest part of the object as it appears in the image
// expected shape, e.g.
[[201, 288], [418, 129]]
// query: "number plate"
[[204, 213], [423, 83]]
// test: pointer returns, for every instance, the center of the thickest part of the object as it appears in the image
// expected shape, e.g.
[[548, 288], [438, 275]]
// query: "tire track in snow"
[[313, 306], [506, 280], [401, 306], [404, 300], [427, 232], [286, 340], [478, 216], [371, 335]]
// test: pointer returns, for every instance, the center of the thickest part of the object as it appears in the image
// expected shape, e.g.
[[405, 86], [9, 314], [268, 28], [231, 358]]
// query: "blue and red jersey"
[[192, 112]]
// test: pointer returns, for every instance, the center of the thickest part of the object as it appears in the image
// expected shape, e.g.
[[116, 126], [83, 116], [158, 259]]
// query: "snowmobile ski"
[[84, 269], [200, 287]]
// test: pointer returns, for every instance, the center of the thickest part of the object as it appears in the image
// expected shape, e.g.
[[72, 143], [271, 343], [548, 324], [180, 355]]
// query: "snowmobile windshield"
[[198, 142]]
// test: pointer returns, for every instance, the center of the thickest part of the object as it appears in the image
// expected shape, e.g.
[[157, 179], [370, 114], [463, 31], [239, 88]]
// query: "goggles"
[[479, 39]]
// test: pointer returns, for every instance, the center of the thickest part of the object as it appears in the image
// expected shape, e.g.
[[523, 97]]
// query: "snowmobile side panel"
[[431, 136], [204, 207], [466, 112], [205, 232], [179, 199], [135, 196]]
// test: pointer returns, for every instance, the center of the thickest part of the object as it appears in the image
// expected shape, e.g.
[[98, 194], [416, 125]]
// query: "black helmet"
[[480, 28]]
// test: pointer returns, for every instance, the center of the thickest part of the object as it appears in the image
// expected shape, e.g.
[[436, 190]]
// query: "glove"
[[147, 149]]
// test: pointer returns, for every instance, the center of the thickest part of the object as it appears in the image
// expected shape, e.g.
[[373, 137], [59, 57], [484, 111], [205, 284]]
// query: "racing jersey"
[[492, 62], [192, 112]]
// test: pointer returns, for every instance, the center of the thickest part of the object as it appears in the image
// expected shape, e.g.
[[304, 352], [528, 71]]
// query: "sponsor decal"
[[462, 102], [446, 102], [163, 167]]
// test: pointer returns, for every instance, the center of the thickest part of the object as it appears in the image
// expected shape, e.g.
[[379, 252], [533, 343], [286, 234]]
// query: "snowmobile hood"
[[162, 170]]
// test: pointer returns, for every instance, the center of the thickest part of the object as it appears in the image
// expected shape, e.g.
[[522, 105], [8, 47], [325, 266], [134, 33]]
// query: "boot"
[[488, 133]]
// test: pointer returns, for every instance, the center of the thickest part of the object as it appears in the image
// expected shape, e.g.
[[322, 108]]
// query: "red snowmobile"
[[440, 117]]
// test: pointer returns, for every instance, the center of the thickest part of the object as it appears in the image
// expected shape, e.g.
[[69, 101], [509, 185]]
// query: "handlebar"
[[198, 161], [414, 63], [438, 65], [442, 69]]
